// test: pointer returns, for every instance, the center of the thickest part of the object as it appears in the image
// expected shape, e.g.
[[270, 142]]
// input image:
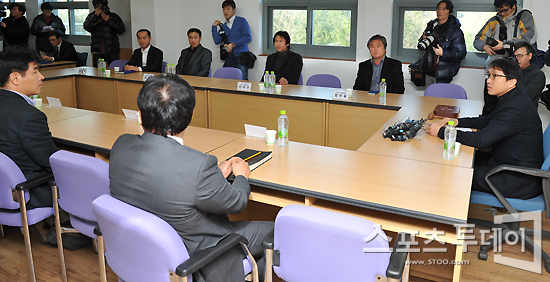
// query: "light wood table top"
[[424, 190], [99, 131], [56, 114]]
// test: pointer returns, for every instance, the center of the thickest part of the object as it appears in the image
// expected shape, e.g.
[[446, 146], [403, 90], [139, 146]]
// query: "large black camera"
[[507, 47], [431, 39], [223, 45], [105, 10], [3, 9]]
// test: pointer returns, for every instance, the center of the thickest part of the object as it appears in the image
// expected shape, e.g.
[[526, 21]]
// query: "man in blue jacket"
[[237, 31]]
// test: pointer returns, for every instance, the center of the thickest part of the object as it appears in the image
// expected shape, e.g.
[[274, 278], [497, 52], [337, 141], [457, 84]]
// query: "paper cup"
[[261, 86], [457, 148], [107, 72], [270, 137], [38, 103], [278, 88], [117, 69], [138, 117]]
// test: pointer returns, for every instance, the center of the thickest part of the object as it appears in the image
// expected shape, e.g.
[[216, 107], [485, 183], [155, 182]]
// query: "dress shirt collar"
[[229, 22], [27, 99], [381, 61], [178, 139]]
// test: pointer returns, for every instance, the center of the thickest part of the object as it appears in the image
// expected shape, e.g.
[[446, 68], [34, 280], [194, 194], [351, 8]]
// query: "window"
[[318, 28], [73, 13], [413, 15]]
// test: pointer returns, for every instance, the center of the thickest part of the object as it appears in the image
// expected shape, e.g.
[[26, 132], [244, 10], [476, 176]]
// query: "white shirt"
[[144, 54], [230, 22], [180, 140]]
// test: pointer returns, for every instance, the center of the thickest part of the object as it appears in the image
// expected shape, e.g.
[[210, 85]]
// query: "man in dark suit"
[[158, 173], [513, 132], [24, 135], [146, 58], [372, 71], [194, 60], [62, 50]]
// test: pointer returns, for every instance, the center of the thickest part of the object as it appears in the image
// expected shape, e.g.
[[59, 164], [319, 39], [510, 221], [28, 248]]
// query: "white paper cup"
[[261, 86], [107, 72], [278, 88], [457, 148], [270, 137], [38, 103], [138, 117], [117, 69]]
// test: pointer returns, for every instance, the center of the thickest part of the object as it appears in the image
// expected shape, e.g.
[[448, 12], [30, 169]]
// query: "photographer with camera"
[[15, 28], [443, 41], [104, 26], [511, 25], [233, 37]]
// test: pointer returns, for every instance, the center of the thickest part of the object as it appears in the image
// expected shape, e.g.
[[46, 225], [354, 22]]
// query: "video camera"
[[223, 45], [431, 39]]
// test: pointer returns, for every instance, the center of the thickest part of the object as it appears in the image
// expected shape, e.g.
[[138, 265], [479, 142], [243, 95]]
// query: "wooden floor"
[[82, 265]]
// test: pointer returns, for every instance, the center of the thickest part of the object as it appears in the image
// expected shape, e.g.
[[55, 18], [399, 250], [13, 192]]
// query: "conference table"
[[403, 186], [58, 65]]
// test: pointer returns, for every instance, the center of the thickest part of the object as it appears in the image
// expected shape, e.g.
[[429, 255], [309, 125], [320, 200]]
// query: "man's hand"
[[131, 68], [230, 47], [46, 58], [216, 22], [240, 167], [432, 128], [3, 25], [225, 167], [98, 11], [283, 81], [499, 46], [489, 50], [438, 51], [445, 121]]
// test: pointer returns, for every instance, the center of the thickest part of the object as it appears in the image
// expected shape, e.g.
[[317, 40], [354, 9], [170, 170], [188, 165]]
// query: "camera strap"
[[518, 18]]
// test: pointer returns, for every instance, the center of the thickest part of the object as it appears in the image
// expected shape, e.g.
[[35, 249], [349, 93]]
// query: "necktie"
[[56, 52]]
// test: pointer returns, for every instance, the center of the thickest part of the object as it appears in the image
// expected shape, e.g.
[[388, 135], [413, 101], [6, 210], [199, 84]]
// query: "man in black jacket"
[[146, 58], [62, 50], [41, 27], [512, 132], [379, 66], [194, 60], [15, 28], [105, 27]]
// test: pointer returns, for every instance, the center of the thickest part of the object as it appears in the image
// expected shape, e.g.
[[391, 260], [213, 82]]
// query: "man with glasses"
[[62, 50], [511, 25], [534, 79], [510, 135]]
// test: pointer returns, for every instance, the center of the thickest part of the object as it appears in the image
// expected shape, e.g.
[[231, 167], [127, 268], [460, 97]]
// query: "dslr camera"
[[3, 9], [105, 10], [507, 47], [223, 45], [431, 39]]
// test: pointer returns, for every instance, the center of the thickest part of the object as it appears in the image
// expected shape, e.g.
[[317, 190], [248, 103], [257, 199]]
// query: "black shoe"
[[71, 241], [41, 237]]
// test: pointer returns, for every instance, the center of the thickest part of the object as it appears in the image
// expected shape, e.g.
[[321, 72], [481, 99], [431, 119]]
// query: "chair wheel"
[[482, 255]]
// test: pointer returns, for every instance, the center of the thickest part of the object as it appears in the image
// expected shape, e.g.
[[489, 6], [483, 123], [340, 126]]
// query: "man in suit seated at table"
[[512, 133], [188, 189], [147, 57], [24, 135], [194, 60], [62, 50], [379, 67]]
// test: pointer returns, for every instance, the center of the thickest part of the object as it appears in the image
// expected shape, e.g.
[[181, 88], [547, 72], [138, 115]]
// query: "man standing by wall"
[[15, 28], [104, 27], [237, 31]]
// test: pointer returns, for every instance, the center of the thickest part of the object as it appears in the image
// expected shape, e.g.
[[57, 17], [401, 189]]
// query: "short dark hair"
[[46, 6], [57, 33], [20, 7], [509, 67], [284, 35], [448, 4], [194, 29], [166, 103], [229, 3], [16, 58], [509, 3], [528, 47], [142, 30], [378, 37], [102, 2]]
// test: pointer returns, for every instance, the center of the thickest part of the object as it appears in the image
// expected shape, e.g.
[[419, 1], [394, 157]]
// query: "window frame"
[[71, 6], [473, 59], [308, 49]]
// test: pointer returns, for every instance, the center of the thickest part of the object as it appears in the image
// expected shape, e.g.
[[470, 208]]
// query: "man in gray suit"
[[194, 60], [158, 173]]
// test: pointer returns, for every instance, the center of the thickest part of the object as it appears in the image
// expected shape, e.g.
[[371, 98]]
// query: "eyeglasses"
[[503, 11], [492, 76], [519, 56]]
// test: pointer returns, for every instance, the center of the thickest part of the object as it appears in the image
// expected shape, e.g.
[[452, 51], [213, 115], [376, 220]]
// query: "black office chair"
[[82, 59]]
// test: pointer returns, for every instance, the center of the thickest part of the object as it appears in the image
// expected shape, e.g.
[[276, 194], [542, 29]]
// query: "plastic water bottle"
[[103, 67], [173, 69], [272, 80], [283, 129], [266, 82], [450, 140], [100, 70], [383, 89]]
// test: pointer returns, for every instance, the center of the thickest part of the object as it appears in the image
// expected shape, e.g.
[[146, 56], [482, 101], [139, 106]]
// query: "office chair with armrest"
[[446, 90], [312, 244], [228, 72], [301, 80], [82, 58], [324, 80], [79, 180], [537, 204], [13, 210], [163, 67], [117, 63], [142, 247]]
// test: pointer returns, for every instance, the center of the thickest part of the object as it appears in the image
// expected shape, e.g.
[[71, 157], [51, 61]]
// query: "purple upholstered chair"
[[117, 63], [324, 80], [446, 90], [80, 180], [301, 80], [13, 213], [312, 244], [163, 68], [142, 247], [228, 72]]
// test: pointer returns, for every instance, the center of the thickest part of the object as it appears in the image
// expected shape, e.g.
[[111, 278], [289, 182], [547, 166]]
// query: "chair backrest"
[[139, 245], [82, 58], [311, 240], [10, 175], [209, 72], [80, 180], [324, 80], [117, 63], [163, 68], [301, 80], [228, 72], [546, 141], [446, 90]]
